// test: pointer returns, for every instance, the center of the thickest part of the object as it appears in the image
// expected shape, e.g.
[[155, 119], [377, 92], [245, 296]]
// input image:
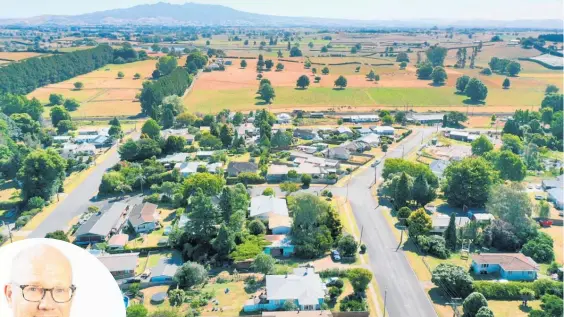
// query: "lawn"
[[512, 308]]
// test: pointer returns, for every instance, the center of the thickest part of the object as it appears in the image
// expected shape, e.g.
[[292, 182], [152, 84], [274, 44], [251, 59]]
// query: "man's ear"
[[9, 293]]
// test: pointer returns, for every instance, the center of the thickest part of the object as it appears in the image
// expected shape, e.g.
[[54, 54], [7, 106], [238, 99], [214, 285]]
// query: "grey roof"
[[443, 221], [425, 117], [552, 183], [370, 138], [556, 194], [165, 267], [119, 262], [364, 130], [303, 285], [240, 167], [438, 166], [263, 205], [103, 223], [174, 158], [342, 129]]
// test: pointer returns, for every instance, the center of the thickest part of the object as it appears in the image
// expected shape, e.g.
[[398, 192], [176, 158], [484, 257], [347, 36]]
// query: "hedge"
[[510, 290], [334, 273]]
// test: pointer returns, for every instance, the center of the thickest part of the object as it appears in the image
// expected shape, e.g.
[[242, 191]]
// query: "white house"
[[263, 207], [440, 223], [384, 130], [71, 150]]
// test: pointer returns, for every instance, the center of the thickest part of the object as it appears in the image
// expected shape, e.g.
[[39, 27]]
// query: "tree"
[[307, 64], [204, 217], [454, 278], [137, 76], [424, 71], [166, 65], [400, 117], [354, 50], [513, 69], [557, 125], [57, 235], [484, 312], [268, 192], [264, 263], [325, 70], [551, 89], [544, 210], [42, 174], [348, 246], [190, 274], [511, 204], [341, 82], [152, 129], [324, 49], [511, 127], [450, 233], [56, 99], [295, 52], [306, 180], [176, 297], [461, 83], [527, 294], [224, 243], [439, 75], [268, 64], [266, 93], [419, 223], [402, 57], [174, 144], [402, 192], [226, 135], [280, 54], [289, 187], [279, 67], [78, 85], [481, 145], [256, 227], [360, 279], [120, 75], [486, 71], [198, 58], [421, 192], [436, 55], [404, 212], [553, 101], [59, 113], [137, 310], [552, 305], [303, 81], [476, 90], [65, 126], [506, 83], [512, 143], [473, 303], [371, 75], [540, 249], [281, 139], [243, 63], [510, 166], [403, 65], [468, 182]]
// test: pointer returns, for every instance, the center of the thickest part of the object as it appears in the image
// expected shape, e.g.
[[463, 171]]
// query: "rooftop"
[[143, 213], [266, 205], [507, 261], [166, 267], [303, 285], [119, 262], [102, 223], [118, 240]]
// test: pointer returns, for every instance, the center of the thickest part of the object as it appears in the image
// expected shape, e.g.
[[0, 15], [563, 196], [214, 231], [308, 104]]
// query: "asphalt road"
[[78, 200], [405, 295]]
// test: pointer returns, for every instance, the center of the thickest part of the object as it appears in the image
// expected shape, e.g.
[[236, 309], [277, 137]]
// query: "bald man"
[[41, 283]]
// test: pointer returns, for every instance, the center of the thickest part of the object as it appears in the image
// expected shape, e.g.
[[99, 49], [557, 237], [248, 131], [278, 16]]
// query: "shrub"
[[250, 178], [511, 290], [540, 249], [347, 245], [337, 283], [334, 273], [434, 245], [473, 303], [363, 248], [404, 212], [268, 192], [453, 277], [335, 292], [256, 227], [353, 303], [36, 203]]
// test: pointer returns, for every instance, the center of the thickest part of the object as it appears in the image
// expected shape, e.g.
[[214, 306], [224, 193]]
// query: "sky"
[[347, 9]]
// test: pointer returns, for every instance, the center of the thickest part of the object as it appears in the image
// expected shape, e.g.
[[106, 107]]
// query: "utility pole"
[[361, 232], [385, 298], [402, 151], [402, 229], [9, 231]]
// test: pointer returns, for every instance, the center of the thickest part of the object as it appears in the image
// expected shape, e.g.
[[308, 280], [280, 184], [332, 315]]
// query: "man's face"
[[52, 270]]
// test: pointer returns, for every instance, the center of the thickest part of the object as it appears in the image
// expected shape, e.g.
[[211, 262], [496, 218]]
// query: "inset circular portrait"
[[52, 278]]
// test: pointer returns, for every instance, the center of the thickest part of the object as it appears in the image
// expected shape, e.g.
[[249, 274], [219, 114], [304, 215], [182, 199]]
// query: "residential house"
[[362, 118], [431, 118], [299, 158], [364, 131], [263, 207], [144, 218], [307, 149], [204, 154], [357, 146], [323, 313], [62, 138], [174, 158], [278, 173], [317, 115], [440, 223], [345, 130], [165, 270], [556, 196], [120, 265], [438, 167], [280, 245], [509, 266], [235, 168], [95, 132], [557, 182], [306, 134], [283, 118], [102, 141], [71, 150], [303, 287], [481, 216], [247, 129], [279, 224], [102, 225], [384, 130], [458, 135], [371, 139], [117, 242], [339, 153], [191, 167], [178, 132]]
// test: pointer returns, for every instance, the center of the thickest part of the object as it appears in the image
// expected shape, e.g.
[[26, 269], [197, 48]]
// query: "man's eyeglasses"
[[32, 293]]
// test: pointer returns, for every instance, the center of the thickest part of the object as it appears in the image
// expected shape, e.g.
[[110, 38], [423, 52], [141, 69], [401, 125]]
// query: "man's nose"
[[47, 303]]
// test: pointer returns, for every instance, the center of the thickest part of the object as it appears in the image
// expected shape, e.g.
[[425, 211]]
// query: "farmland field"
[[17, 56]]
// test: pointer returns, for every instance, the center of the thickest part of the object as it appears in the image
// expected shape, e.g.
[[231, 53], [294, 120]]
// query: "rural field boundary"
[[529, 59]]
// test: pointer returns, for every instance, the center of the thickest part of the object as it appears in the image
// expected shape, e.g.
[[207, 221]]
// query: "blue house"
[[509, 266], [303, 287], [280, 245]]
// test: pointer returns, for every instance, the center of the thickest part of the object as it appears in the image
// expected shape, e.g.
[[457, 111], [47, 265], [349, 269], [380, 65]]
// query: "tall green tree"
[[481, 145], [450, 233], [468, 182], [341, 82], [512, 143], [264, 263], [436, 55], [511, 203], [439, 75], [266, 93], [419, 223], [42, 174], [506, 83], [59, 113], [190, 274], [167, 64], [203, 217], [461, 83], [476, 90], [303, 81], [424, 71], [226, 135], [421, 192], [152, 129], [224, 243], [473, 303]]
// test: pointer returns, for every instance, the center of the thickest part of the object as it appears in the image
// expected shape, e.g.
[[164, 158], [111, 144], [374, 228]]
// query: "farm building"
[[362, 118], [144, 218], [303, 287], [556, 196], [120, 265], [344, 130], [283, 118], [430, 118], [102, 225], [510, 266], [458, 135]]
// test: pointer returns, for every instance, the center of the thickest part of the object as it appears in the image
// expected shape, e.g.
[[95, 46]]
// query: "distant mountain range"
[[205, 14]]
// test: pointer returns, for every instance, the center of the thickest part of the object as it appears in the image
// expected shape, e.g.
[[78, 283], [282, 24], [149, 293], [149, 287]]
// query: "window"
[[509, 273], [308, 307], [485, 266]]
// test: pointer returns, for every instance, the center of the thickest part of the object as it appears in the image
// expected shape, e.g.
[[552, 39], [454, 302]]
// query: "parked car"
[[132, 280], [146, 274], [375, 163], [336, 255], [539, 197], [545, 223]]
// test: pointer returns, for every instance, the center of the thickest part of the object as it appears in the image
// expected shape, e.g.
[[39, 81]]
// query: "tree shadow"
[[338, 88], [525, 309], [261, 103], [432, 84], [460, 93], [300, 88], [472, 102]]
